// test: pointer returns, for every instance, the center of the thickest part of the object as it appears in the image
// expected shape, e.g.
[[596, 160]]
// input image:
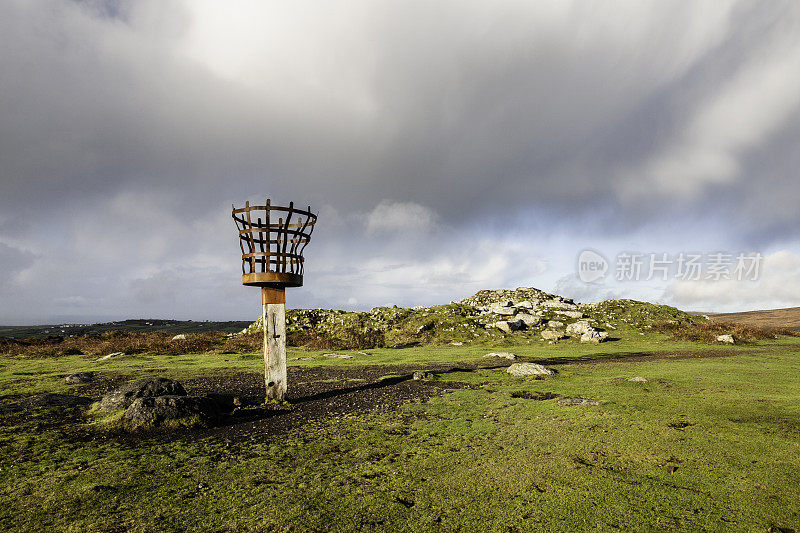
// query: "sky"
[[447, 147]]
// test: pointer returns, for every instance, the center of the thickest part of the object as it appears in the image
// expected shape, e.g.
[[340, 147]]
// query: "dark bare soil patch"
[[315, 393], [532, 395]]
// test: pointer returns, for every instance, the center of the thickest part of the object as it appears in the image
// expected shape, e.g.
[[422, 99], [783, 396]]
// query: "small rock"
[[80, 377], [525, 304], [726, 339], [109, 356], [638, 379], [505, 355], [505, 311], [338, 355], [124, 396], [552, 335], [419, 375], [456, 344], [555, 324], [528, 369], [179, 337], [594, 336], [578, 401]]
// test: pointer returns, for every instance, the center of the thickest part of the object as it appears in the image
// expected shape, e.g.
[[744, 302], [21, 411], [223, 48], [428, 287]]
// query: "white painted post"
[[273, 314]]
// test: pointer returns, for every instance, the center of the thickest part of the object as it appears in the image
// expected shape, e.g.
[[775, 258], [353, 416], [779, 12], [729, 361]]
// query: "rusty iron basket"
[[272, 250]]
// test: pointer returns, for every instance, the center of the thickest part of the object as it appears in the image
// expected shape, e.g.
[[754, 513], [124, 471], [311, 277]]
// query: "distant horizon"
[[100, 320]]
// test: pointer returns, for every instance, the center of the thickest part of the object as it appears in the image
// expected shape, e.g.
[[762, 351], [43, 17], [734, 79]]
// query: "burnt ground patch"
[[533, 395], [315, 393], [318, 392]]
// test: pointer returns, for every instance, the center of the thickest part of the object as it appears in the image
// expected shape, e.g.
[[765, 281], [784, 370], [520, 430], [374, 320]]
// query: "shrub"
[[708, 331]]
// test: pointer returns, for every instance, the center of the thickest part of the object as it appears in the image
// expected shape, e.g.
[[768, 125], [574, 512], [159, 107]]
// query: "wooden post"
[[273, 314]]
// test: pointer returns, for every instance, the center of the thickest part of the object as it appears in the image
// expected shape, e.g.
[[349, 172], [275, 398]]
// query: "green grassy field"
[[711, 442]]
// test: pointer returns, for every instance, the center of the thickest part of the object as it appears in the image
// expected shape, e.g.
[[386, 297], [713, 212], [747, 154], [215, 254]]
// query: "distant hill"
[[129, 326], [771, 318]]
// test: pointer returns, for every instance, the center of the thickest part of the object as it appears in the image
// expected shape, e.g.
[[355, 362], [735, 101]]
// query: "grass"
[[709, 443]]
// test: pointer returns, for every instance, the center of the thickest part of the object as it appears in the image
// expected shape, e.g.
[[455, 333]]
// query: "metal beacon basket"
[[272, 239]]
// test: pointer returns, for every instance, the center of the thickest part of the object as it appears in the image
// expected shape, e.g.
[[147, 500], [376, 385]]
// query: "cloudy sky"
[[448, 146]]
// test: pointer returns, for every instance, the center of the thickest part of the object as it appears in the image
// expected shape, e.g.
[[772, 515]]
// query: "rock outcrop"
[[482, 317], [123, 397], [156, 411]]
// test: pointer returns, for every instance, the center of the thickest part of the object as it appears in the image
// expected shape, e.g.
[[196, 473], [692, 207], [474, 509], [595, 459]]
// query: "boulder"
[[179, 337], [594, 336], [420, 375], [555, 324], [190, 410], [528, 369], [516, 324], [80, 377], [505, 311], [552, 335], [123, 397], [579, 328], [503, 326], [570, 314], [508, 326], [524, 304], [726, 339], [529, 320], [505, 355]]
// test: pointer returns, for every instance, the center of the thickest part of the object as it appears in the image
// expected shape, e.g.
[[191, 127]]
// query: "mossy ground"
[[710, 443]]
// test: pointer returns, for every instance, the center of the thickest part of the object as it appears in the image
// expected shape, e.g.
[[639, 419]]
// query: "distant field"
[[771, 318]]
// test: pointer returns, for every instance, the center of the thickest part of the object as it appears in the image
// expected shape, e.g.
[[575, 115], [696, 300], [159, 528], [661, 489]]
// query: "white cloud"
[[777, 286], [407, 217]]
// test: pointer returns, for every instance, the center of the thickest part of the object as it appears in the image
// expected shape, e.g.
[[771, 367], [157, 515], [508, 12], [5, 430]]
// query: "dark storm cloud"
[[127, 128]]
